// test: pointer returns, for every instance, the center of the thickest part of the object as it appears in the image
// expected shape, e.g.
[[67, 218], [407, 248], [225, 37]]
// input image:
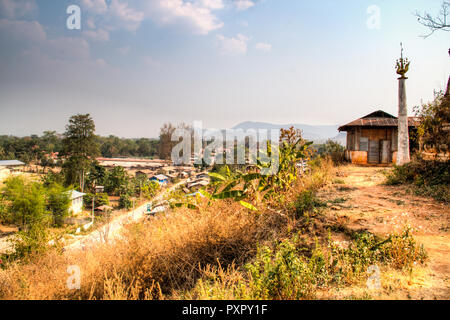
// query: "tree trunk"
[[447, 92]]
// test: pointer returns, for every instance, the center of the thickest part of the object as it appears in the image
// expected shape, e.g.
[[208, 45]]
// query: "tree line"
[[34, 148]]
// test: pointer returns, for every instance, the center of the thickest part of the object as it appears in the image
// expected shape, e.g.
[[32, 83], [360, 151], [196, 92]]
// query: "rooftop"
[[161, 177], [6, 163], [378, 119], [75, 194]]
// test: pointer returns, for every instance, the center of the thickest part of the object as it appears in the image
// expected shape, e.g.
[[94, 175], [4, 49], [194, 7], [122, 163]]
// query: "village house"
[[161, 179], [197, 184], [144, 173], [169, 170], [14, 166], [76, 205], [52, 157], [372, 139]]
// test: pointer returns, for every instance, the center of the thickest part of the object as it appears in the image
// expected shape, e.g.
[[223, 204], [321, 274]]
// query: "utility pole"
[[133, 206], [93, 206], [403, 155]]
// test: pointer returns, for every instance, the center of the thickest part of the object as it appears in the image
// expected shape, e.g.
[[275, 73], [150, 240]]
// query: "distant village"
[[164, 172]]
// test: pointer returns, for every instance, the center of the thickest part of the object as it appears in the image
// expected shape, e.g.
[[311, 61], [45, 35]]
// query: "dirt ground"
[[359, 199]]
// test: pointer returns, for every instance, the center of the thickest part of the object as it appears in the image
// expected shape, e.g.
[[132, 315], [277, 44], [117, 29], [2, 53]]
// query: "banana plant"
[[251, 189]]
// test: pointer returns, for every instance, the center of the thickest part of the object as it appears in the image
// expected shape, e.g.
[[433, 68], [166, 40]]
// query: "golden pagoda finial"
[[402, 65]]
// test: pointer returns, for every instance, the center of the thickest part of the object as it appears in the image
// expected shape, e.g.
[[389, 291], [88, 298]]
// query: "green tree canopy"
[[58, 203], [80, 147], [434, 125], [117, 181], [25, 201]]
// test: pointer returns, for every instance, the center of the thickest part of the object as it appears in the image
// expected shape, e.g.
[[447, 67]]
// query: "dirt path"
[[113, 229], [359, 199]]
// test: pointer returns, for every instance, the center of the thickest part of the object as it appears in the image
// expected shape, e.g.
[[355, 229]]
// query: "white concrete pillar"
[[403, 155]]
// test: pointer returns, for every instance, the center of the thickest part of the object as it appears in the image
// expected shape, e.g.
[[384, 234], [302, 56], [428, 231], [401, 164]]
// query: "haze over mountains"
[[318, 134]]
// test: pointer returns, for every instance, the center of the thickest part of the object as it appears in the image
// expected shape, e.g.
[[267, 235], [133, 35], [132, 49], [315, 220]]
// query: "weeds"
[[307, 201], [288, 273]]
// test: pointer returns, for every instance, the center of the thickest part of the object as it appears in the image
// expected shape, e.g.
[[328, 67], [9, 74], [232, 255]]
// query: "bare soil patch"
[[363, 202]]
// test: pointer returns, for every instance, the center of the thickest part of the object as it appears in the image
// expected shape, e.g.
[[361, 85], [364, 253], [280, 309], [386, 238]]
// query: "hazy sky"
[[136, 64]]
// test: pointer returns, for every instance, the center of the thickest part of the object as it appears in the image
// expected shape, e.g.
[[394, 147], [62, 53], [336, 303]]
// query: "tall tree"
[[80, 148], [50, 141], [165, 140], [117, 181]]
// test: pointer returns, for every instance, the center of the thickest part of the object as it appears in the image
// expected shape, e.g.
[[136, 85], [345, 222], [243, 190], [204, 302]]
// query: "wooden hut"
[[372, 139]]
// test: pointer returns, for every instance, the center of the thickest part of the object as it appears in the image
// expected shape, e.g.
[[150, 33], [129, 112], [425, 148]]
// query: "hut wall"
[[357, 136], [377, 133], [358, 157], [394, 139], [373, 136]]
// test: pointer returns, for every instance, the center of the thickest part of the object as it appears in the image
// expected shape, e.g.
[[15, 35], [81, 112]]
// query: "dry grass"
[[154, 258], [159, 258]]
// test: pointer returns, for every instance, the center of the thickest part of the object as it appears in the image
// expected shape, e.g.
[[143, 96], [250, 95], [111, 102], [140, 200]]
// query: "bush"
[[101, 199], [150, 189], [33, 241], [125, 202], [332, 149], [306, 201], [431, 178], [25, 201], [399, 251], [284, 274]]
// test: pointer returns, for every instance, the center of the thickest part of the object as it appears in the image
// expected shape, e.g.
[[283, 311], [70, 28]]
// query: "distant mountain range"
[[318, 134]]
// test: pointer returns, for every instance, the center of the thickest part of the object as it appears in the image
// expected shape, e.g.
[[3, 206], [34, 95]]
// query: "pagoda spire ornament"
[[402, 64]]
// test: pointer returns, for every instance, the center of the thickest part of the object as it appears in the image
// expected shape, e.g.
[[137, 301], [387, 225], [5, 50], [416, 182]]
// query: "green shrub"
[[101, 199], [332, 149], [284, 274], [306, 201], [398, 251], [429, 178], [26, 203], [439, 192], [33, 241], [125, 202]]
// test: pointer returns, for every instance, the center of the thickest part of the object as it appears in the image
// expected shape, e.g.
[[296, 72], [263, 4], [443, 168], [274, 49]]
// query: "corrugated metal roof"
[[368, 121], [6, 163], [161, 177], [75, 194]]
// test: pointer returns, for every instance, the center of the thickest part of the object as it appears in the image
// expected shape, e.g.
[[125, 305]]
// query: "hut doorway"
[[374, 151], [385, 151]]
